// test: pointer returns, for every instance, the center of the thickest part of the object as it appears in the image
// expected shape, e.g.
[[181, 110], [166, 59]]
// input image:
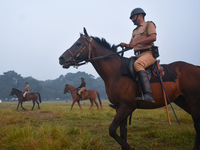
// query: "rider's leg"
[[146, 87], [146, 59], [80, 92], [24, 95]]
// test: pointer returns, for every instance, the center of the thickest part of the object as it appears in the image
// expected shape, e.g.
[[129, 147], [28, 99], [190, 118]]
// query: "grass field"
[[55, 127]]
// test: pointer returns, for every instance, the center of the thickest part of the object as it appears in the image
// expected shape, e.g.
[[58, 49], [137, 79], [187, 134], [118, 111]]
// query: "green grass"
[[55, 127]]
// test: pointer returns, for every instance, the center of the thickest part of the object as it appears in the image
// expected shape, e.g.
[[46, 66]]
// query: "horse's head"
[[80, 51], [66, 89], [11, 93], [14, 91]]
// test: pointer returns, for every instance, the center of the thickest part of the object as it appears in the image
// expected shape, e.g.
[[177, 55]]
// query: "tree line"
[[49, 89]]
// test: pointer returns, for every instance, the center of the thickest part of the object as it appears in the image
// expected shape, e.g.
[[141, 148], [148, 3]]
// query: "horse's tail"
[[99, 99], [39, 97]]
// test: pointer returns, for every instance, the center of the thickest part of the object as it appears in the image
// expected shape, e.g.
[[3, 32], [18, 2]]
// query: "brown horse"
[[121, 90], [90, 94], [30, 96]]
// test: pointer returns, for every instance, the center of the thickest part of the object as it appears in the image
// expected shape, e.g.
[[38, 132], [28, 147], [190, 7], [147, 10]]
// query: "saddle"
[[167, 73], [25, 98], [82, 93]]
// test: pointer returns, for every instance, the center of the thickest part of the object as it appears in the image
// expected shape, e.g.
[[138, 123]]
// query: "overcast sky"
[[34, 33]]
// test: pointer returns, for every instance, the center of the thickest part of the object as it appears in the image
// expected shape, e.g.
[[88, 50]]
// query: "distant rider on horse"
[[26, 90], [82, 86]]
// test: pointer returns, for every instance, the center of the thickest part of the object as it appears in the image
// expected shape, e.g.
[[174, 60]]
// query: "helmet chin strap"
[[135, 21]]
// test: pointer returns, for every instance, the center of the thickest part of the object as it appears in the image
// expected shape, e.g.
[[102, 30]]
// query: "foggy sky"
[[34, 33]]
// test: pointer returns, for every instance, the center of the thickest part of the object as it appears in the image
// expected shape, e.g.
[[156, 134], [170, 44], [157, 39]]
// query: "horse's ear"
[[81, 34], [85, 32]]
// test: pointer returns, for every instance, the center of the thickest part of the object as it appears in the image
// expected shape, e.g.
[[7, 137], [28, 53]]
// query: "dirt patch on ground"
[[41, 115]]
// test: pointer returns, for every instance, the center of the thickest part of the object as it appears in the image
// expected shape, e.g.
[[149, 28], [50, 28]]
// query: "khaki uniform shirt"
[[27, 88], [141, 32]]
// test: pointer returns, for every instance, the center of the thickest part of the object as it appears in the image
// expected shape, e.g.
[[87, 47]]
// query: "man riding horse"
[[26, 90], [82, 87], [142, 40], [183, 90]]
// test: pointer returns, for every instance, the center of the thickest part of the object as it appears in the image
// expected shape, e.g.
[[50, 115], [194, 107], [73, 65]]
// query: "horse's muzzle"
[[64, 63], [61, 60]]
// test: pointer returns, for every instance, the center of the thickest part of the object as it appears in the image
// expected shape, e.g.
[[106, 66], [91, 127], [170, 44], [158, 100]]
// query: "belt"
[[138, 52]]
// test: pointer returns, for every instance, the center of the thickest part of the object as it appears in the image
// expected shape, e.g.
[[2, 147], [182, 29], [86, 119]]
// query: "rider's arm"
[[80, 85], [149, 39]]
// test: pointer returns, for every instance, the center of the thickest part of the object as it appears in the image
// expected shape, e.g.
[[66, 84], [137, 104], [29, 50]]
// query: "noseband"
[[87, 45]]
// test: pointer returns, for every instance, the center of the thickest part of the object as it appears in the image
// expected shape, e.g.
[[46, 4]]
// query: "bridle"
[[67, 89], [73, 58], [76, 62]]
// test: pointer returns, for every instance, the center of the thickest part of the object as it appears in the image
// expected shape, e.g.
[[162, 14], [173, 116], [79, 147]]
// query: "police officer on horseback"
[[142, 40]]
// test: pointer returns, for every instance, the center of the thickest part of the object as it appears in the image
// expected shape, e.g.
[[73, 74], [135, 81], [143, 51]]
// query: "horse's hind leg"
[[96, 103], [38, 104], [33, 104], [91, 104]]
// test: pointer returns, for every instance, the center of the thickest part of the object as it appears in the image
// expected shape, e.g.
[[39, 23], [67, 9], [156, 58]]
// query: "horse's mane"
[[17, 90], [105, 44]]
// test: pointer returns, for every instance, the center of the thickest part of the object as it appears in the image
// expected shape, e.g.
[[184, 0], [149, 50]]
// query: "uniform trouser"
[[25, 93], [144, 60], [81, 90]]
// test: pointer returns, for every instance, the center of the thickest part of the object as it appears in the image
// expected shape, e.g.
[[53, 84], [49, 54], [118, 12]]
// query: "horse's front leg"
[[18, 105], [122, 113], [22, 106], [72, 104], [123, 130], [79, 104]]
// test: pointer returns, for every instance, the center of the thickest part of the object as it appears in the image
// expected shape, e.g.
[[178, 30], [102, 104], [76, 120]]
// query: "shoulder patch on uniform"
[[151, 22]]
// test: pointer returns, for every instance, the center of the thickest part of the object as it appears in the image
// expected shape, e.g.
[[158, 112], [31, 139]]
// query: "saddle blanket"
[[169, 76]]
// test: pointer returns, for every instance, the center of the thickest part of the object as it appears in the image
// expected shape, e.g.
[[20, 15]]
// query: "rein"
[[71, 89], [122, 51], [88, 45]]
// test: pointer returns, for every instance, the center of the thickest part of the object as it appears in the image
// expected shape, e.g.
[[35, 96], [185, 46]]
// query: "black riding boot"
[[146, 88]]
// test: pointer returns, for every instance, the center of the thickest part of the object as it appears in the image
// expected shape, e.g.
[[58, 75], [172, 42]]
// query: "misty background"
[[34, 33]]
